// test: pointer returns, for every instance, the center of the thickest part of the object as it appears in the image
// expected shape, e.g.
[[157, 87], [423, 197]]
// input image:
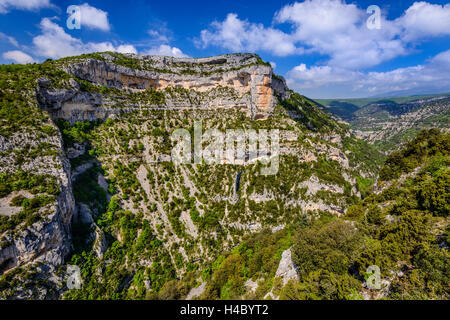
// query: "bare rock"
[[287, 269]]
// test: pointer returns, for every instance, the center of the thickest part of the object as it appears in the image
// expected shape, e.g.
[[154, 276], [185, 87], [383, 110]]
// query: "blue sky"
[[324, 48]]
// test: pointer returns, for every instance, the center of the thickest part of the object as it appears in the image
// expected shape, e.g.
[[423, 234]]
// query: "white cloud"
[[166, 50], [329, 27], [55, 43], [423, 19], [351, 47], [317, 76], [10, 39], [331, 81], [315, 17], [273, 64], [7, 5], [158, 36], [333, 29], [94, 18], [159, 42], [337, 33], [126, 48], [159, 33], [240, 35], [18, 57], [338, 30]]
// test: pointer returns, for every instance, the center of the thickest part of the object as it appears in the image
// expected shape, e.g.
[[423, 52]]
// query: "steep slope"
[[400, 229], [36, 202], [389, 123], [100, 127]]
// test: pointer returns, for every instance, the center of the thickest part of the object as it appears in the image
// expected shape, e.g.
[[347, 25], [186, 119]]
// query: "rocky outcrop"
[[287, 269], [70, 103], [313, 185], [253, 82], [97, 237], [196, 292], [391, 124], [48, 240]]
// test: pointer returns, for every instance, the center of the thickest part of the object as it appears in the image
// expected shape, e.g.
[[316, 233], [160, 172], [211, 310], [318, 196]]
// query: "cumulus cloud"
[[331, 81], [423, 19], [55, 43], [241, 35], [159, 42], [337, 33], [338, 30], [351, 48], [331, 28], [320, 16], [7, 5], [433, 75], [93, 18], [126, 48], [166, 50], [18, 57], [318, 76]]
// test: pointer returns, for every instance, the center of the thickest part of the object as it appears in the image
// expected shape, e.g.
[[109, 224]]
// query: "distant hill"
[[361, 102], [390, 122]]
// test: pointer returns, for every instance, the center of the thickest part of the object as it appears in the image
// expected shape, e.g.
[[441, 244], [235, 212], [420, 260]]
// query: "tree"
[[333, 247]]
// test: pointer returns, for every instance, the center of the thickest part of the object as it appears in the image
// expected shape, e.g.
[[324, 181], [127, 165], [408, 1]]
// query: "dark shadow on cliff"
[[91, 199]]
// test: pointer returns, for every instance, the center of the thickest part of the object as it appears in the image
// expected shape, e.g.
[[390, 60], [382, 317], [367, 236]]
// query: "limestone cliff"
[[43, 241], [70, 190], [252, 82]]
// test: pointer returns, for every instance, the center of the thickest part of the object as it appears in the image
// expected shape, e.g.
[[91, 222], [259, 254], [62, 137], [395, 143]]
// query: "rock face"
[[71, 103], [236, 81], [47, 241], [287, 269], [107, 85], [252, 81], [196, 292], [390, 124]]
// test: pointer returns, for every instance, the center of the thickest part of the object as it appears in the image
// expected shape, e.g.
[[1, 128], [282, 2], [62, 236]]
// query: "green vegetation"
[[18, 110], [89, 87], [365, 101], [160, 229], [23, 180], [427, 144], [29, 214], [77, 133], [257, 256], [309, 114]]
